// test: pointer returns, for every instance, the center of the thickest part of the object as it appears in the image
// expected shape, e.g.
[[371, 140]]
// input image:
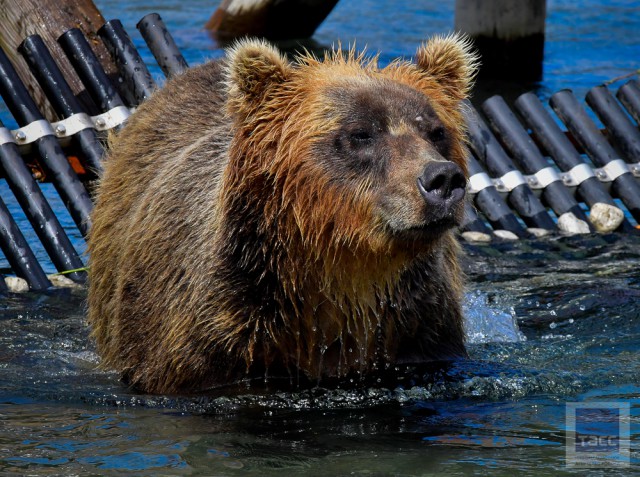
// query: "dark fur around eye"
[[356, 153], [360, 137], [438, 134], [354, 140]]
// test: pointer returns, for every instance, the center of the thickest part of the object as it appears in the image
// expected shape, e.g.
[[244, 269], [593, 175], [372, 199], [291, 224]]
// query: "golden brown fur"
[[225, 246]]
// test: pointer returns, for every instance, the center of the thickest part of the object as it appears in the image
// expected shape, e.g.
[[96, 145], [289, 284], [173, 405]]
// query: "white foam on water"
[[487, 324]]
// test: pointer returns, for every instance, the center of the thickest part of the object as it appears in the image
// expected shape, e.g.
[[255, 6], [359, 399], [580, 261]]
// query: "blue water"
[[587, 41], [550, 322]]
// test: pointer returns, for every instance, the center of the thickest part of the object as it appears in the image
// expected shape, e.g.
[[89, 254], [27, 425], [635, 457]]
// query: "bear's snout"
[[442, 185]]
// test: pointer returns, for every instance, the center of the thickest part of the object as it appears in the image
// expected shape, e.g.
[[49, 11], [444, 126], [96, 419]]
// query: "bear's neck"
[[346, 306], [328, 314], [320, 307]]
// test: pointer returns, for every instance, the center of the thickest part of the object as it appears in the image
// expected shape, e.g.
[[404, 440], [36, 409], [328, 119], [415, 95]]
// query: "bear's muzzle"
[[442, 185]]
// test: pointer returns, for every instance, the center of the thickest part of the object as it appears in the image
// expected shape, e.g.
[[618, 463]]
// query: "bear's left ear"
[[254, 67], [451, 61]]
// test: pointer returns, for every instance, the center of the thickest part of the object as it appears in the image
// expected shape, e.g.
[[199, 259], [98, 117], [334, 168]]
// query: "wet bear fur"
[[259, 217]]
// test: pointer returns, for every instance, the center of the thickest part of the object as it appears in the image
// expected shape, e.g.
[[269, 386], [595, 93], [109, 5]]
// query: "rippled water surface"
[[549, 322]]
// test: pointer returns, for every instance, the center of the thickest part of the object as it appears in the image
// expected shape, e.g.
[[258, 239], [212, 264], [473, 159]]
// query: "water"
[[549, 322], [540, 339]]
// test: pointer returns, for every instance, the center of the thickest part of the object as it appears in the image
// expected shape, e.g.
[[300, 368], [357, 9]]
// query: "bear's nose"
[[442, 184]]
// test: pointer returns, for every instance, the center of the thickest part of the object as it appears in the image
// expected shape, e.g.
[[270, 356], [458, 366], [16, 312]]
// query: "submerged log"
[[272, 19], [50, 19]]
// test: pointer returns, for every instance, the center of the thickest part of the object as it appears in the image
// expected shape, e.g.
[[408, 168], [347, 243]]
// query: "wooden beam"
[[508, 33], [272, 19]]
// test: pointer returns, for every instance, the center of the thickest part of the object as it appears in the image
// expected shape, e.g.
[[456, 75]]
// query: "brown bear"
[[259, 217]]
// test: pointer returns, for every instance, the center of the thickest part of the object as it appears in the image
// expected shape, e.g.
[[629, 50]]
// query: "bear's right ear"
[[451, 61], [254, 67]]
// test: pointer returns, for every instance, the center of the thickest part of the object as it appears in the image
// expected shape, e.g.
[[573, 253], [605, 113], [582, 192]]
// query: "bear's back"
[[161, 178]]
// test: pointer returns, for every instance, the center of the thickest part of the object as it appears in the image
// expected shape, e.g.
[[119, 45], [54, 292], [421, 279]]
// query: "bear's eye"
[[360, 137], [437, 135]]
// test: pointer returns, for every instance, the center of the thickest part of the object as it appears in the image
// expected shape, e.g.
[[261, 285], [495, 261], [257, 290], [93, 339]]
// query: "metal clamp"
[[577, 175], [112, 118], [612, 170], [479, 182], [509, 181], [542, 178], [65, 128], [33, 131], [72, 125]]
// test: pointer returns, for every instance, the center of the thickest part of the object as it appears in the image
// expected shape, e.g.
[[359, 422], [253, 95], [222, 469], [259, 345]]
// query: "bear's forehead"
[[380, 98]]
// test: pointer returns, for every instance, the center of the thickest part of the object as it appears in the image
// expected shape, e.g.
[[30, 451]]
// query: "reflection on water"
[[576, 339]]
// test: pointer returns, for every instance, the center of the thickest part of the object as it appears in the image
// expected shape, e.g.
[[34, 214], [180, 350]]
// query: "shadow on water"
[[537, 340]]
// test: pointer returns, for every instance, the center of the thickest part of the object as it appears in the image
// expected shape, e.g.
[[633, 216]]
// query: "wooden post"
[[50, 19], [508, 33], [272, 19]]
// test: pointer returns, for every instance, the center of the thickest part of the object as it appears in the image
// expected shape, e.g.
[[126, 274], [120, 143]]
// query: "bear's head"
[[341, 152]]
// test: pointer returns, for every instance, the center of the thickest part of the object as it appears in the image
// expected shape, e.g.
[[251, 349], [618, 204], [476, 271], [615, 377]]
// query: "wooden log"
[[272, 19], [508, 33], [50, 19]]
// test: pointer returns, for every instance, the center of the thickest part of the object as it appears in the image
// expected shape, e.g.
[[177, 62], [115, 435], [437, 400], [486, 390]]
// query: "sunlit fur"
[[220, 249]]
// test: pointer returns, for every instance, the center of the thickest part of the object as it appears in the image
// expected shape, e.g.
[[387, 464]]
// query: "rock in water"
[[16, 284], [605, 217], [570, 224]]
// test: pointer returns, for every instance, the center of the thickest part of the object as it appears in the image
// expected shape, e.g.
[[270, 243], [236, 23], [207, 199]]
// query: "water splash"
[[486, 324]]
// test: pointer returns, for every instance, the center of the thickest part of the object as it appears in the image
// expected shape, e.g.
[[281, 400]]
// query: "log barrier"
[[528, 176]]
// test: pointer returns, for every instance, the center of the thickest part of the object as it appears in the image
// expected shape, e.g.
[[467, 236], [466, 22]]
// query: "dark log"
[[272, 19], [509, 35]]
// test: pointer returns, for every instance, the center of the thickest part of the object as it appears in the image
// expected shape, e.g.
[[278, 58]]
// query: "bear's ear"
[[451, 61], [254, 67]]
